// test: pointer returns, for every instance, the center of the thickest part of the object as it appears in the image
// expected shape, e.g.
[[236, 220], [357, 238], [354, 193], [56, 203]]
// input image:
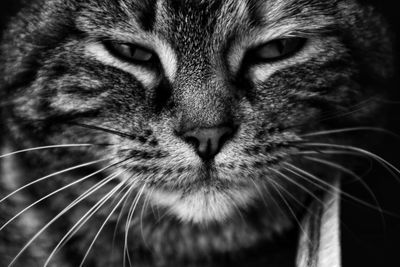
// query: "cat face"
[[201, 105]]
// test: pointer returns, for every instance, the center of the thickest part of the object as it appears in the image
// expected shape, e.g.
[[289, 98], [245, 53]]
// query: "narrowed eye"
[[130, 52], [278, 49]]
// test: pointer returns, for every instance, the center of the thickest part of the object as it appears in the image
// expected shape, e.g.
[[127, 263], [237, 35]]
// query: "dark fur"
[[43, 61]]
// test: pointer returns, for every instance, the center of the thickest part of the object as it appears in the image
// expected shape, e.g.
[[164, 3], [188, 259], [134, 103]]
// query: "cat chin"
[[204, 206]]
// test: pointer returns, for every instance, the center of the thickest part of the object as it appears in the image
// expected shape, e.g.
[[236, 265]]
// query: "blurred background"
[[369, 238]]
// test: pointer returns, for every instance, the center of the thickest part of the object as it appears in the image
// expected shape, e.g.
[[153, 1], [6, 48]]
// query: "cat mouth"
[[203, 203], [205, 178], [208, 171]]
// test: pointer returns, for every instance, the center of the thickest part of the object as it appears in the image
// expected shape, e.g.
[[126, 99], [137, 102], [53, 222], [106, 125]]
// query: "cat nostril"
[[208, 141]]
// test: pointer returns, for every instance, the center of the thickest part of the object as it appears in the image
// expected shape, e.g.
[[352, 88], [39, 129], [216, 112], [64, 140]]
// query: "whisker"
[[353, 129], [71, 205], [277, 186], [335, 152], [339, 114], [347, 171], [236, 206], [127, 224], [104, 224], [97, 186], [102, 129], [298, 185], [351, 173], [262, 195], [144, 207], [161, 216], [88, 214], [52, 194], [52, 175], [379, 159], [315, 180], [351, 110], [118, 222], [45, 147], [328, 152], [50, 223], [303, 174]]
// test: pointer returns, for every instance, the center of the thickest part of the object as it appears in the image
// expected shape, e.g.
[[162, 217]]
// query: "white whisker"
[[52, 175], [379, 159], [88, 214], [351, 173], [277, 186], [233, 202], [52, 194], [74, 203], [128, 222], [262, 195], [353, 129], [104, 224], [328, 152], [287, 178], [144, 208], [89, 192], [352, 110], [301, 173], [43, 148], [345, 170], [118, 221]]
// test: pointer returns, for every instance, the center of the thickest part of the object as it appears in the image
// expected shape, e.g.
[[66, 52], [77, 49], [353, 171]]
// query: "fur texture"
[[61, 85]]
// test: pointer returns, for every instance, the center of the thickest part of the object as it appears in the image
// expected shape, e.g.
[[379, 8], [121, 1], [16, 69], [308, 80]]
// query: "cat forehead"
[[205, 14], [210, 12]]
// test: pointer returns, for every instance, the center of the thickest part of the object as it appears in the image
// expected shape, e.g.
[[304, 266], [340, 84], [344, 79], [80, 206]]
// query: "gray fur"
[[50, 87]]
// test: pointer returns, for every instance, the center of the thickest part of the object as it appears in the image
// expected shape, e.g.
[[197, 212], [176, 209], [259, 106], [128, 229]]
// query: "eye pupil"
[[270, 51], [130, 52], [278, 49], [141, 55]]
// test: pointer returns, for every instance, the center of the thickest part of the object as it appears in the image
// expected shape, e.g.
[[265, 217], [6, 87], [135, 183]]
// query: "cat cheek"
[[147, 79], [70, 103], [262, 74]]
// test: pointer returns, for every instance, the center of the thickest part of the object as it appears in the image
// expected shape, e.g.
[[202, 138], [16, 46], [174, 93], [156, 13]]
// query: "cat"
[[179, 132]]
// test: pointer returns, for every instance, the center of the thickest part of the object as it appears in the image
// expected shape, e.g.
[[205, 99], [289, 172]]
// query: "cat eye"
[[130, 52], [278, 49]]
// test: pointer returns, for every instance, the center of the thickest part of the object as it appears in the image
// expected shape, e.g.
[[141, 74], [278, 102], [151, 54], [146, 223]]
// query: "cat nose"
[[208, 141]]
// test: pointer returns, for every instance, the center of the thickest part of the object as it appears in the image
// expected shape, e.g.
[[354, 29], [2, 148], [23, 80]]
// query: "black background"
[[367, 238]]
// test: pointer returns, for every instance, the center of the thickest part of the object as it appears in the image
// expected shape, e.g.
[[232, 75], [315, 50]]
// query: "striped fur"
[[60, 84]]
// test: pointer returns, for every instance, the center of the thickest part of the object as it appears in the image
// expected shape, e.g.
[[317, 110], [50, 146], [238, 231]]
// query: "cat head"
[[204, 106]]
